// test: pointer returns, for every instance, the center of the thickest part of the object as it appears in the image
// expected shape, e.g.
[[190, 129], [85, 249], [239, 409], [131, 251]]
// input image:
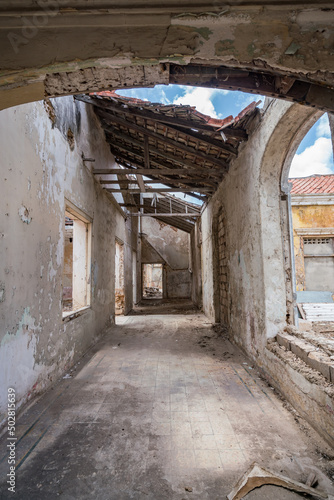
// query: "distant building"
[[312, 200]]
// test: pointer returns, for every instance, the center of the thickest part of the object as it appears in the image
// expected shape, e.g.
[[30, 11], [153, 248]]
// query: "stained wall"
[[41, 168]]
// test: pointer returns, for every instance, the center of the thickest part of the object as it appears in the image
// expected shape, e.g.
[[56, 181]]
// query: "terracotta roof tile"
[[314, 184]]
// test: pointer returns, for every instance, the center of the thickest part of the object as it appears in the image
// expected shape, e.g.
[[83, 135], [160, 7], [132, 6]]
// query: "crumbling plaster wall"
[[172, 245], [43, 53], [41, 167], [195, 258], [258, 282]]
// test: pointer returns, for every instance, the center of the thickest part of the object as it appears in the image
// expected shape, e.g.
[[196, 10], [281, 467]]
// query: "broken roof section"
[[167, 148], [314, 184]]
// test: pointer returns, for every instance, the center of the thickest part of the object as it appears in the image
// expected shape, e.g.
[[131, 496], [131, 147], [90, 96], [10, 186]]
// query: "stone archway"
[[292, 124]]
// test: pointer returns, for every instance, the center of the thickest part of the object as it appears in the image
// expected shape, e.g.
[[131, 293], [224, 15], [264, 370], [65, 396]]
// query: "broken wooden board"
[[257, 476]]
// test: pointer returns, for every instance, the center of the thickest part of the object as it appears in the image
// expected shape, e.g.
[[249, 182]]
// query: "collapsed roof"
[[166, 149]]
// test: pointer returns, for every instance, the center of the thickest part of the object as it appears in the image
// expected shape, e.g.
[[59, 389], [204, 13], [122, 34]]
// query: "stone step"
[[308, 353]]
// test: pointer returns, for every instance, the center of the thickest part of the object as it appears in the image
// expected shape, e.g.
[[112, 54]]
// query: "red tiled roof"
[[214, 122], [314, 184]]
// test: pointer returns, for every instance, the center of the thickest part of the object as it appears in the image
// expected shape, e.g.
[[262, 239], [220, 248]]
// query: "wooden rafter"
[[107, 118], [169, 156]]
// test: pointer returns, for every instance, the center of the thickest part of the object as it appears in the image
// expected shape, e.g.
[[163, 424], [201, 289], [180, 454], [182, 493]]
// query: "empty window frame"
[[77, 261], [119, 278]]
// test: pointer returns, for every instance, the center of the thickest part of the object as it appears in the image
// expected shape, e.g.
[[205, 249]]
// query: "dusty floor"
[[161, 408]]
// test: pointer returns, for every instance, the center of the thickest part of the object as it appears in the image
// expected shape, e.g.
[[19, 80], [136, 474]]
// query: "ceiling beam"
[[160, 181], [149, 171], [106, 117], [163, 190]]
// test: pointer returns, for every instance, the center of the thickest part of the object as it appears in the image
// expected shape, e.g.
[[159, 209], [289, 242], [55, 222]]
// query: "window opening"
[[76, 269]]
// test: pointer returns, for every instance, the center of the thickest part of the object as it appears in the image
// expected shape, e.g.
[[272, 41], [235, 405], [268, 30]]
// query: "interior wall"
[[169, 246], [42, 170], [251, 196], [196, 268]]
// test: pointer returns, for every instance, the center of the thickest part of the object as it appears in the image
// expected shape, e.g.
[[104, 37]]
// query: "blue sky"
[[314, 155]]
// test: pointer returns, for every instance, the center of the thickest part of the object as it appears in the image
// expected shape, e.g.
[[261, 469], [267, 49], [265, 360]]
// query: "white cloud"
[[316, 159], [201, 98], [323, 129]]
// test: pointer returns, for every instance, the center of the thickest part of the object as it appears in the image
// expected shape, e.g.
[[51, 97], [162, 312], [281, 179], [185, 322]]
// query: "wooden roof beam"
[[160, 181], [169, 156], [165, 140]]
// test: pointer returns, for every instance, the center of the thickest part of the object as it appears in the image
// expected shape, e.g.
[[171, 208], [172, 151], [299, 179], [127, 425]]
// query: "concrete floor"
[[161, 408]]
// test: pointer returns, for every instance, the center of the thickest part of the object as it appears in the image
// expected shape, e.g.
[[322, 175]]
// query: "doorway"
[[152, 281], [119, 279]]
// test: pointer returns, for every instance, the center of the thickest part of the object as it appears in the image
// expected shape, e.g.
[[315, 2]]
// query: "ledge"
[[75, 314]]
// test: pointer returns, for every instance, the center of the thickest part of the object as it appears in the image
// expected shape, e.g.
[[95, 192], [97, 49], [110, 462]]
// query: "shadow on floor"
[[164, 306]]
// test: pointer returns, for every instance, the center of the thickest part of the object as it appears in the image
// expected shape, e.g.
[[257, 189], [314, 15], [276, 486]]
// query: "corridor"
[[163, 407]]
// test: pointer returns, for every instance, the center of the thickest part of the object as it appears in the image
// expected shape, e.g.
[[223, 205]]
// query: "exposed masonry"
[[316, 359], [223, 270]]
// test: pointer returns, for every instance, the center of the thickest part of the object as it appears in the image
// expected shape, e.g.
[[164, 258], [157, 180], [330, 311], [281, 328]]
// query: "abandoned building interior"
[[166, 291]]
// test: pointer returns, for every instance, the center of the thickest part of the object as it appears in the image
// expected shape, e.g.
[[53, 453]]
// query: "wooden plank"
[[161, 181], [257, 476], [102, 104], [151, 171], [140, 183], [300, 309], [162, 190], [223, 167], [166, 140]]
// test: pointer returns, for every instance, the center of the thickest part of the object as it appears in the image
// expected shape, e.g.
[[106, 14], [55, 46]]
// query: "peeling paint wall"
[[308, 216], [42, 168], [170, 246]]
